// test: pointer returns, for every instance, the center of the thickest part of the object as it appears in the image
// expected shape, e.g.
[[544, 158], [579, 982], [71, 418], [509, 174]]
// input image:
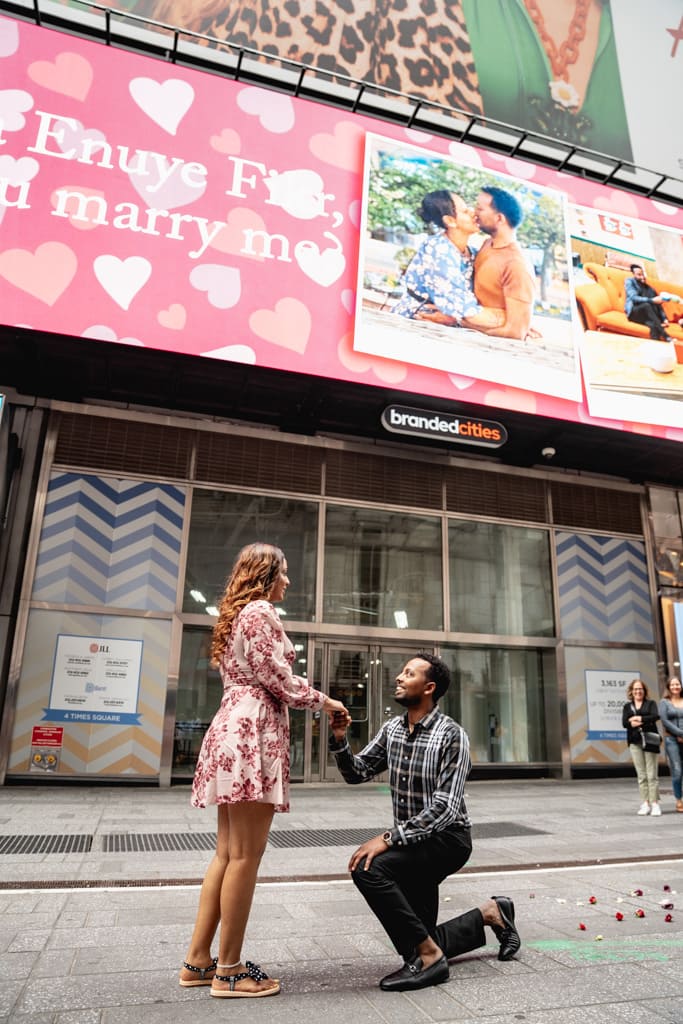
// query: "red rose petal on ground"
[[582, 926], [668, 918], [640, 913], [592, 899], [619, 916]]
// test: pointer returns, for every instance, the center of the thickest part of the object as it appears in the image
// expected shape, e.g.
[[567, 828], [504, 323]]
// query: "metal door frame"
[[376, 715]]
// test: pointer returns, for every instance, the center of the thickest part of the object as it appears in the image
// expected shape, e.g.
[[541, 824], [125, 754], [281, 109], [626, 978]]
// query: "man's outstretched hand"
[[339, 723]]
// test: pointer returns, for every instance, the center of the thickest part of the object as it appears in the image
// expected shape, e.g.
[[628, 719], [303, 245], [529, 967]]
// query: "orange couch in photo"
[[601, 304]]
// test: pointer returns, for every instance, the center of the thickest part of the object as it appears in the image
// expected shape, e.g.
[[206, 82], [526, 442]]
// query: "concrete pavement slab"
[[97, 955]]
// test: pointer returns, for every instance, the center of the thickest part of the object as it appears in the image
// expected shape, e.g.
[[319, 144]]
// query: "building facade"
[[545, 569]]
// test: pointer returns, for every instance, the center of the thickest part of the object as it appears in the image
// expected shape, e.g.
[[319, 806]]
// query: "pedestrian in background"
[[671, 714], [640, 715], [243, 766]]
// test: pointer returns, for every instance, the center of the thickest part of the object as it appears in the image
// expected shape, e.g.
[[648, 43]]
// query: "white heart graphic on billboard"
[[322, 267], [166, 103], [301, 193], [9, 37], [222, 285], [102, 333], [18, 172], [70, 135], [233, 354], [13, 104], [122, 279], [274, 111]]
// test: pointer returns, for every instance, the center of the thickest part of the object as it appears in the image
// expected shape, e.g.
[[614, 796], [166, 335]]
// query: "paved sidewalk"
[[516, 824], [108, 952]]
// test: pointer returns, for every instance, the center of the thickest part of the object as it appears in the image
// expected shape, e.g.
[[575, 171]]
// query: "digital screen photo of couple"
[[486, 275]]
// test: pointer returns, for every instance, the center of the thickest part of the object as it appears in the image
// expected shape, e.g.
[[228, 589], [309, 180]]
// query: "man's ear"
[[430, 686]]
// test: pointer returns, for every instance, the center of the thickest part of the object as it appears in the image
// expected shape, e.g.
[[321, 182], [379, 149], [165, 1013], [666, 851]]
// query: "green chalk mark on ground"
[[655, 947]]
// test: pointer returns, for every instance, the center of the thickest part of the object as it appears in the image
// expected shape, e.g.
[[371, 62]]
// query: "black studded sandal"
[[201, 971], [254, 972]]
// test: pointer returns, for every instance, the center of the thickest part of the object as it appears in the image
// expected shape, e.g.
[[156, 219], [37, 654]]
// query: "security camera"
[[548, 453]]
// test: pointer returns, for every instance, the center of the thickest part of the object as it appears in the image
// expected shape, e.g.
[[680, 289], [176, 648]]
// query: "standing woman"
[[671, 713], [243, 766], [638, 716]]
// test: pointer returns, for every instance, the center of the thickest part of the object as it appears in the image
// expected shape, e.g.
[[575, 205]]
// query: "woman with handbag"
[[671, 712], [639, 717]]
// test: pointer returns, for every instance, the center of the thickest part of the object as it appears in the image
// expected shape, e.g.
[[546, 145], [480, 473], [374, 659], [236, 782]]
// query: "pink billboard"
[[148, 205]]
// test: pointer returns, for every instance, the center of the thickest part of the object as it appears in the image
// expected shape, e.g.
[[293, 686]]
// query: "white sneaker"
[[656, 810], [645, 808]]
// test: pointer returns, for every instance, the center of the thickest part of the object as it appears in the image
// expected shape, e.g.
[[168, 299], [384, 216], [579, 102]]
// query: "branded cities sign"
[[403, 419]]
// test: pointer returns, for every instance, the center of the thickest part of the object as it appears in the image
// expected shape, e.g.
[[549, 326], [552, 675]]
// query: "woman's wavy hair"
[[629, 691], [253, 576], [667, 688]]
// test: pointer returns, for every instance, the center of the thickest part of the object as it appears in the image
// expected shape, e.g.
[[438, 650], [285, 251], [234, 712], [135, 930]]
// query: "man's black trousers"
[[401, 887], [647, 313]]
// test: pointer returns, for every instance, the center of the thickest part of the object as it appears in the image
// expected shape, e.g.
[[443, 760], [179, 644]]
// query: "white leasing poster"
[[95, 680], [605, 698], [649, 42]]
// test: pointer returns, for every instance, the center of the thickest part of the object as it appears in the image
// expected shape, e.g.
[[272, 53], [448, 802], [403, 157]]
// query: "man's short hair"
[[505, 203], [438, 673], [635, 266]]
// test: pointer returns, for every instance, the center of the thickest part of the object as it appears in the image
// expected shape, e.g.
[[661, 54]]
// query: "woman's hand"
[[339, 717], [635, 721], [331, 705]]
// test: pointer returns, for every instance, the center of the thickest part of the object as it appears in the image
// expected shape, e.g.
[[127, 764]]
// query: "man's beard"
[[408, 702]]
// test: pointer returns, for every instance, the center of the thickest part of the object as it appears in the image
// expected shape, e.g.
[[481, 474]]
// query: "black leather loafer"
[[413, 976], [508, 936]]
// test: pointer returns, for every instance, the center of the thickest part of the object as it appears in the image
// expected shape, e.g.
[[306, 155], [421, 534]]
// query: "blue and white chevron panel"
[[110, 542], [603, 587]]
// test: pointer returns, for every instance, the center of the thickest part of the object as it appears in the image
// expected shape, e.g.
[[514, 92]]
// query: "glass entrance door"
[[363, 677]]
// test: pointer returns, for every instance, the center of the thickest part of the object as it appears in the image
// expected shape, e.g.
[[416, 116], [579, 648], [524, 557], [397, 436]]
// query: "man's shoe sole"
[[508, 936]]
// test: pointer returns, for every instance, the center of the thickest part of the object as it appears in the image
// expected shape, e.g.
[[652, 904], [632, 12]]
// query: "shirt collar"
[[427, 721]]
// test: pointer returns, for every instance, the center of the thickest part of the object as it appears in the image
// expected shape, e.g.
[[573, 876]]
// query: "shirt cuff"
[[336, 746]]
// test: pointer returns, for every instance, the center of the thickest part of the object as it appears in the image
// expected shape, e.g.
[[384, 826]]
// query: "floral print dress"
[[439, 273], [245, 752]]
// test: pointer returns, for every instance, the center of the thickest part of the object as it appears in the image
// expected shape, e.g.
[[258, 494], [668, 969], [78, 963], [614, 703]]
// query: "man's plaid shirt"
[[428, 769]]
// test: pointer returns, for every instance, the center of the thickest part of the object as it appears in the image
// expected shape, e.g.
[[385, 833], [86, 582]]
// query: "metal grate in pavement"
[[45, 844], [174, 842], [298, 838], [158, 842], [503, 830]]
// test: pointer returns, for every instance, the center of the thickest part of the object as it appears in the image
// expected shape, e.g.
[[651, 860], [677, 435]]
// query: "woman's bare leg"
[[209, 909], [249, 824]]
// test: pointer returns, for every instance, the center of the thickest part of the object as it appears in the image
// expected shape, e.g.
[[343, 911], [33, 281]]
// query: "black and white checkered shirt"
[[428, 769]]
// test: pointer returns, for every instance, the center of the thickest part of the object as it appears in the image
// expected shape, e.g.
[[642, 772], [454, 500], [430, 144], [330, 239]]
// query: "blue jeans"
[[673, 755]]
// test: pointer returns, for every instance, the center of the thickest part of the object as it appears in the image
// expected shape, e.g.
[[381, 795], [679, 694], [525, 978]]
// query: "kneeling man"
[[399, 872]]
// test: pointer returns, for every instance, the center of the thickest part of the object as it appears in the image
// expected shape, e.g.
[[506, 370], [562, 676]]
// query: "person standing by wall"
[[640, 715], [243, 766], [671, 714]]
